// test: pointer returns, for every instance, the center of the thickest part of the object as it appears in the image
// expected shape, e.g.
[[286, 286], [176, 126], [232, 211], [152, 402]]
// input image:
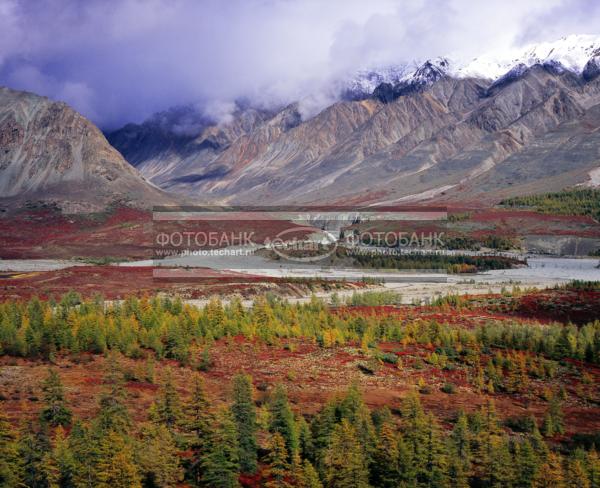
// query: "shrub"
[[389, 357], [369, 367], [524, 424], [205, 362]]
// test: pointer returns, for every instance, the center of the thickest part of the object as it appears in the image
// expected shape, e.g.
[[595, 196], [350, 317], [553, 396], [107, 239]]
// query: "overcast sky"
[[120, 61]]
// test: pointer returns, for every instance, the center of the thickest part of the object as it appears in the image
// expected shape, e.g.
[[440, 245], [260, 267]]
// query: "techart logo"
[[293, 240], [303, 244]]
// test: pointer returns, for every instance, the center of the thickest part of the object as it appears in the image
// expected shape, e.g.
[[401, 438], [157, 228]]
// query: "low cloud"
[[121, 61]]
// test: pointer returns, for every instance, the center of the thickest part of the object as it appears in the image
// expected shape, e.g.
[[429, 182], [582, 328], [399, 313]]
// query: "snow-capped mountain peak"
[[579, 54], [571, 52], [421, 73], [430, 71], [366, 80]]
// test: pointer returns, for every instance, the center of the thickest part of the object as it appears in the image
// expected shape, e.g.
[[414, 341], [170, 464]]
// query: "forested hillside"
[[344, 445], [584, 201], [254, 427]]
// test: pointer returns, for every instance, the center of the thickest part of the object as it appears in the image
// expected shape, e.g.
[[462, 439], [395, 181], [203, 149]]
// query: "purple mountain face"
[[52, 153], [501, 124]]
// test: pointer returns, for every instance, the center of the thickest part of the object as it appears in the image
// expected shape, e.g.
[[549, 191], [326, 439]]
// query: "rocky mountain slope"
[[170, 145], [500, 125], [50, 152]]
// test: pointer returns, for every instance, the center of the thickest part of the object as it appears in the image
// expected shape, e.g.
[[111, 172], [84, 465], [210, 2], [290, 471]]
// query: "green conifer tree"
[[538, 443], [593, 468], [84, 449], [305, 439], [309, 478], [244, 413], [59, 464], [322, 428], [527, 464], [488, 438], [434, 471], [113, 415], [199, 421], [501, 473], [416, 435], [158, 458], [282, 420], [554, 419], [577, 475], [459, 449], [551, 474], [33, 443], [385, 471], [356, 411], [548, 425], [115, 463], [345, 461], [51, 471], [11, 468], [278, 471], [220, 464], [167, 409], [460, 442], [406, 463], [55, 411]]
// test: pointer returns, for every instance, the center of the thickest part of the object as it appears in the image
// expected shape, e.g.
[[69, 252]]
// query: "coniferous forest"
[[582, 201], [203, 443], [249, 433]]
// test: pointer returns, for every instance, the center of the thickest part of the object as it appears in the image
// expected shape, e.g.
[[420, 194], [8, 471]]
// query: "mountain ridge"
[[422, 134], [51, 153]]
